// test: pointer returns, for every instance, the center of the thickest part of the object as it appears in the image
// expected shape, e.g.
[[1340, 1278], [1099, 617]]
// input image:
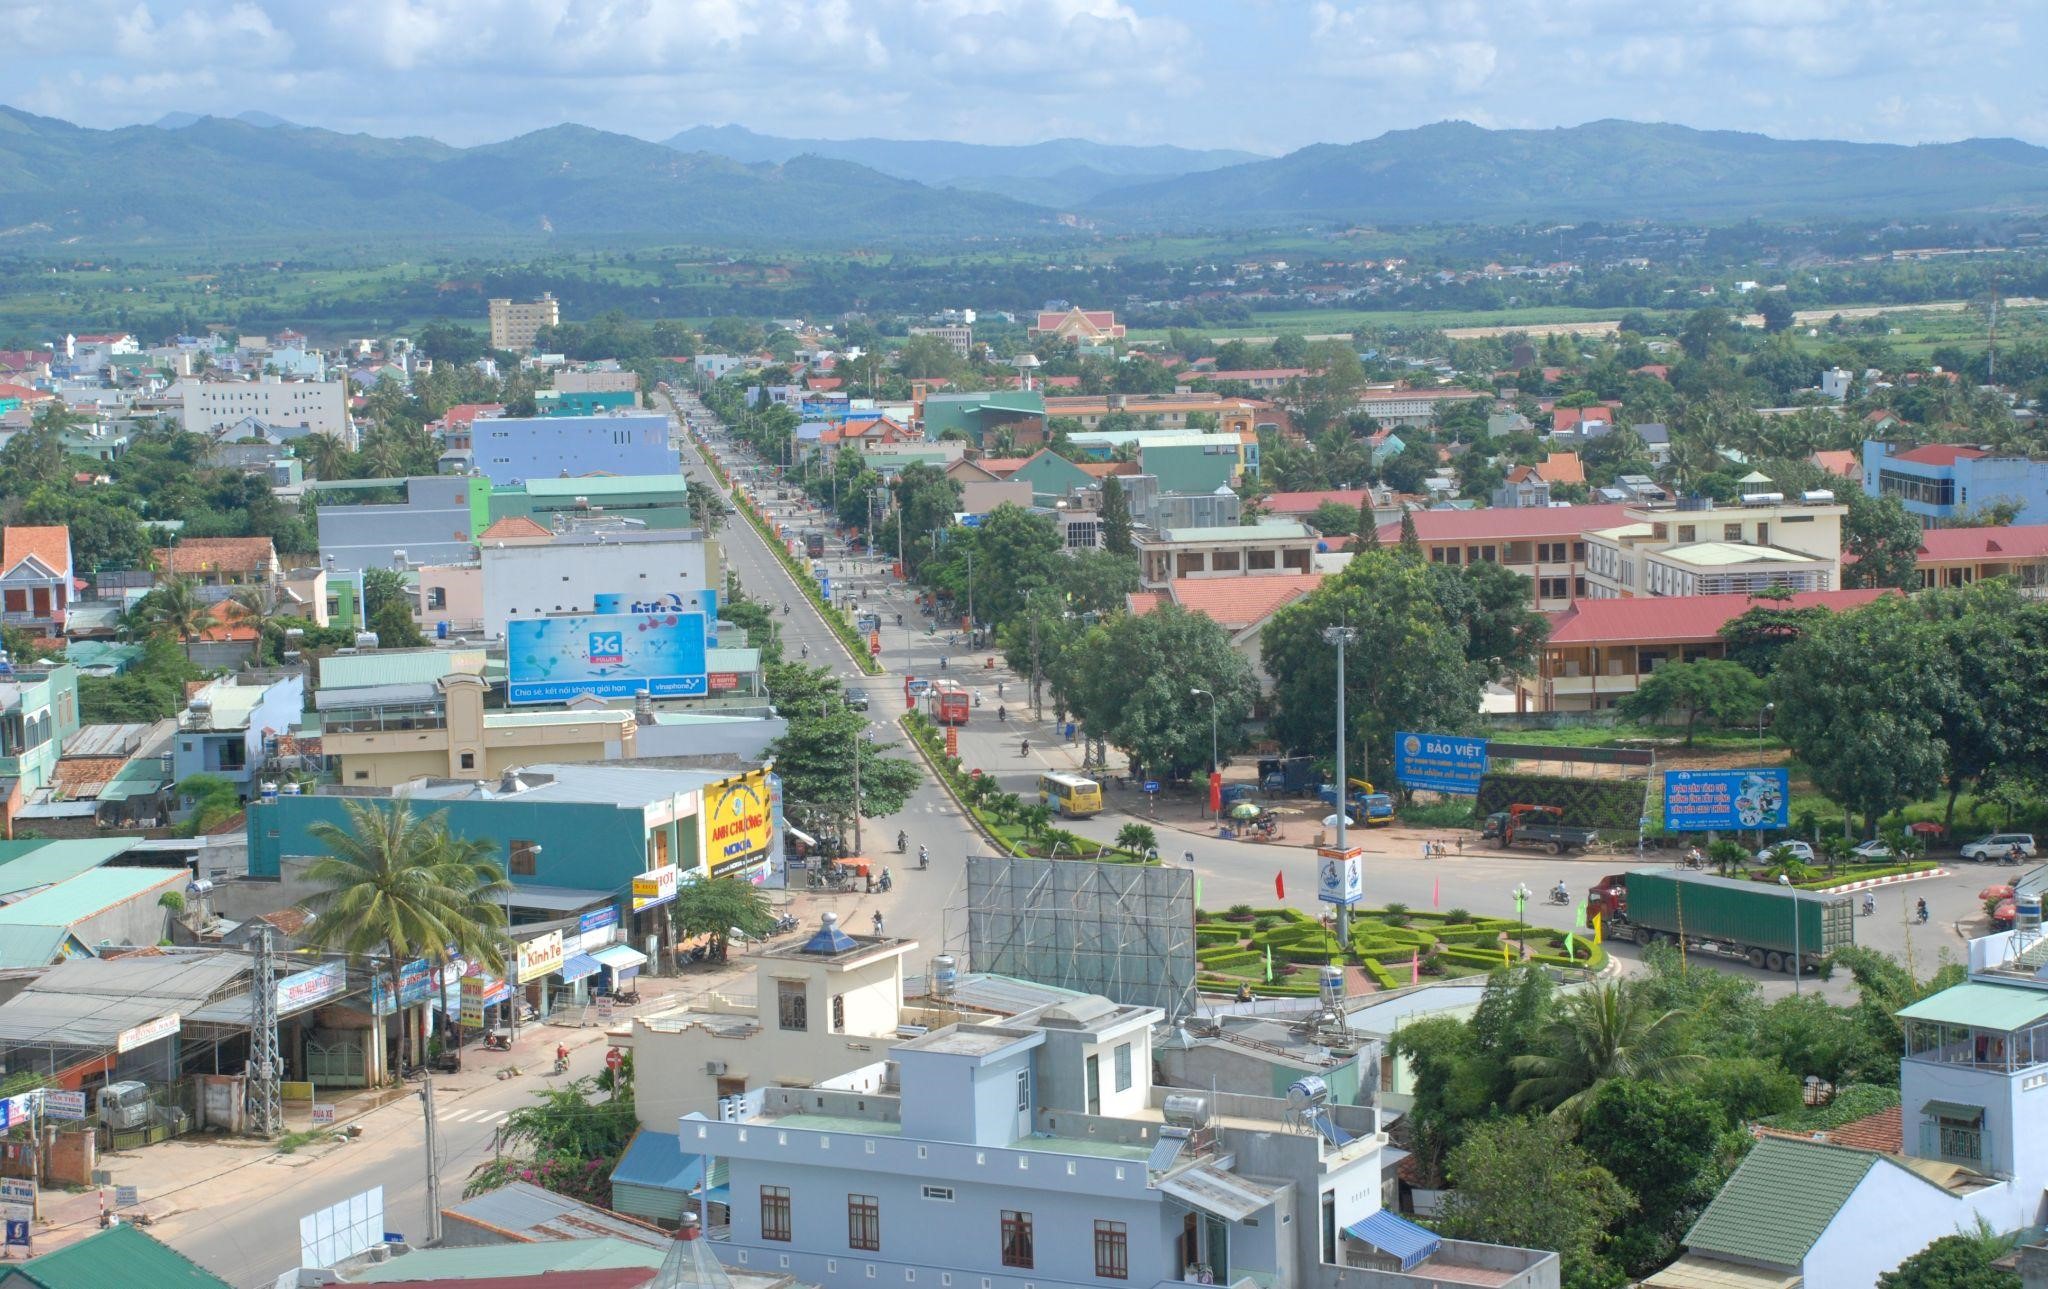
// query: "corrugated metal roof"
[[25, 865], [1220, 1192], [1780, 1200], [119, 1255], [505, 1260], [536, 1214], [31, 946], [87, 1002], [397, 667], [1989, 1006], [332, 698], [656, 1159], [607, 485], [76, 898]]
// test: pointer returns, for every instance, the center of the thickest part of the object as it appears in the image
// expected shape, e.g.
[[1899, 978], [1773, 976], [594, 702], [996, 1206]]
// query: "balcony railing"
[[1952, 1143]]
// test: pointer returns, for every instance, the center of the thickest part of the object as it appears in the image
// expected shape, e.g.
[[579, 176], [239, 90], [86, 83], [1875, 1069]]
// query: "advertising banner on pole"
[[302, 989], [1725, 800], [1440, 762], [1340, 875], [618, 655], [539, 956], [655, 886]]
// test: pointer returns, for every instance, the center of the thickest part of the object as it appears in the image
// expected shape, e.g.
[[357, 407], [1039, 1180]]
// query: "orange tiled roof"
[[1561, 467], [216, 554], [1104, 469], [1235, 603], [514, 526], [1841, 462], [1882, 1132], [50, 544]]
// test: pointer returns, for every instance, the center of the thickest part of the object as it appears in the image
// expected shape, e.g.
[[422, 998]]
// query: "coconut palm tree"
[[252, 609], [175, 609], [325, 454], [397, 886], [1601, 1034]]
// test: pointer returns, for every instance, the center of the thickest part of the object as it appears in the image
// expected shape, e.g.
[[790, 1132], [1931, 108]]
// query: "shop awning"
[[620, 957], [1397, 1237], [1952, 1111], [575, 967], [799, 834]]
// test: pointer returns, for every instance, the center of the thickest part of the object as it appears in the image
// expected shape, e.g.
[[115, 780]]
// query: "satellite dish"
[[1331, 821]]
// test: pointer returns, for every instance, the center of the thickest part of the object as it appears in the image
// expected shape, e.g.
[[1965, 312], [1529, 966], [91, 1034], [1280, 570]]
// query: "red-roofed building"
[[1561, 467], [1882, 1132], [1940, 454], [1841, 462], [22, 394], [1575, 418], [1045, 382], [220, 561], [1599, 650], [1660, 370], [35, 577], [1242, 606], [1084, 326], [1545, 543], [1300, 505], [1960, 556], [458, 422]]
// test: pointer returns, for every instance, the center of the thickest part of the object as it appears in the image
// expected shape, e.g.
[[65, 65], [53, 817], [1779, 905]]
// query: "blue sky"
[[1266, 75]]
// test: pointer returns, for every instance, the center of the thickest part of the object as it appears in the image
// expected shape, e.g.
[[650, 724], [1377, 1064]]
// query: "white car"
[[1874, 850], [1801, 851], [1999, 845]]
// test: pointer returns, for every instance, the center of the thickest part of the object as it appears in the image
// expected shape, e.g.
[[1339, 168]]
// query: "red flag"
[[1435, 890], [1280, 886], [1215, 793], [1415, 966]]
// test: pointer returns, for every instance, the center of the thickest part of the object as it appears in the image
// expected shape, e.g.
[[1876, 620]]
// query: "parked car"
[[1998, 845], [1770, 854], [857, 700], [1874, 850]]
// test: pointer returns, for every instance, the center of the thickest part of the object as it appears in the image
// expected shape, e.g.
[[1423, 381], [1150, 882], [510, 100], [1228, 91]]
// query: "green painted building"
[[978, 417], [652, 500], [38, 711], [1051, 477], [584, 402]]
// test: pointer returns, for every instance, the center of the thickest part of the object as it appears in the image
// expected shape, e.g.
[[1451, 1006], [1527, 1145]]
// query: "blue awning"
[[576, 966], [620, 957], [1397, 1237], [656, 1159]]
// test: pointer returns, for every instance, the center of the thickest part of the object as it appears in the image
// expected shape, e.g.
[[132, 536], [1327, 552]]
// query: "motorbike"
[[785, 923], [1560, 897], [887, 881], [498, 1040], [902, 842], [924, 858], [561, 1065]]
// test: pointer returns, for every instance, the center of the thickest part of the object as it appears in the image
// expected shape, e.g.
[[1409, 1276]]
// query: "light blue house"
[[1036, 1151], [38, 711], [225, 728], [513, 449], [1941, 482]]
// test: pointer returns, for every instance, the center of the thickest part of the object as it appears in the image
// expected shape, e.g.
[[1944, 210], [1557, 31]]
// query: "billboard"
[[609, 655], [704, 602], [302, 989], [415, 982], [1440, 762], [1725, 800], [655, 886], [539, 956], [739, 821], [1125, 931]]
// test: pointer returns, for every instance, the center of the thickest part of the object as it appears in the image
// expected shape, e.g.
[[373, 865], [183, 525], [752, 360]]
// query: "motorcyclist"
[[1869, 904], [803, 651], [1920, 909], [902, 842], [924, 859], [1024, 747], [1002, 713], [1560, 892], [878, 921]]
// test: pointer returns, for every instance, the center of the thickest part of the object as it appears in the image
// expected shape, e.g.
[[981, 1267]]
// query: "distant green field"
[[1328, 321], [1917, 334]]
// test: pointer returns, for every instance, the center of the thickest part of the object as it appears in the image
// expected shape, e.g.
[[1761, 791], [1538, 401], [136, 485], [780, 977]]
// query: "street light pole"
[[1341, 636], [1215, 761], [1521, 894]]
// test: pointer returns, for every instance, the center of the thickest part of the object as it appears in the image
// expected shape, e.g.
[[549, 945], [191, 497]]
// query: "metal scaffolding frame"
[[1125, 931]]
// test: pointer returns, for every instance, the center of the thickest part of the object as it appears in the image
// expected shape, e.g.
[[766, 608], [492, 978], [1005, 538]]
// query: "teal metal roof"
[[25, 865], [401, 667], [1987, 1006], [484, 1261], [1271, 530], [609, 485], [119, 1255], [1780, 1201], [75, 899], [32, 946]]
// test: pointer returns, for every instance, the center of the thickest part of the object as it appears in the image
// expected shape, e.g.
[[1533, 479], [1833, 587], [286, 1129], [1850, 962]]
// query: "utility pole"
[[1035, 714], [858, 751], [1341, 636], [265, 1066], [433, 1164]]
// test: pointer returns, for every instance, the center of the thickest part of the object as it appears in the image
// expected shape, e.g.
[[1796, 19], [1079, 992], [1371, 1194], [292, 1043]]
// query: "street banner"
[[1440, 762]]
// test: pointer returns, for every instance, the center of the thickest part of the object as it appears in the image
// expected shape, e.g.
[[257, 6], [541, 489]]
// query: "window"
[[792, 1005], [1023, 1090], [469, 760], [1688, 533], [1731, 532], [1579, 550], [1123, 1067], [944, 1194], [1112, 1251], [525, 858], [775, 1212], [839, 1013], [1550, 552], [864, 1223], [1552, 588], [1017, 1239]]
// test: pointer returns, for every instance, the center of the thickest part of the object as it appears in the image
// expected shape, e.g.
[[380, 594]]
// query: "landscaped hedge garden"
[[1231, 948]]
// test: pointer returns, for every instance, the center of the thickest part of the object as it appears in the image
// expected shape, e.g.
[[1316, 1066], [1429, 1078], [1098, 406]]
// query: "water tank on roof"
[[1818, 497], [1306, 1091], [945, 975], [1184, 1111]]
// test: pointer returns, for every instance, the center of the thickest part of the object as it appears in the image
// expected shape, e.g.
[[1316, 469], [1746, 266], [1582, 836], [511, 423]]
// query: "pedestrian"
[[1189, 856], [878, 921]]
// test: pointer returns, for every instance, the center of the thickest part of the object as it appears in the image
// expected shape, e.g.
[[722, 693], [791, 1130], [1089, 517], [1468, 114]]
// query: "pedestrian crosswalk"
[[478, 1115]]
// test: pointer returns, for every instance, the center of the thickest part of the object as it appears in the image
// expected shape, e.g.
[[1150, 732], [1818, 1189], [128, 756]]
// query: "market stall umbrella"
[[2005, 912], [1927, 828], [1995, 893], [1244, 810]]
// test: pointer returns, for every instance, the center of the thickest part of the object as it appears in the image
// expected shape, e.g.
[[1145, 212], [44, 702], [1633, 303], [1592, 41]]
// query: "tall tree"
[[1885, 539], [1368, 521], [398, 886], [174, 609], [1116, 518], [1132, 678], [1715, 688], [1524, 1182], [1596, 1036], [1411, 541], [716, 907]]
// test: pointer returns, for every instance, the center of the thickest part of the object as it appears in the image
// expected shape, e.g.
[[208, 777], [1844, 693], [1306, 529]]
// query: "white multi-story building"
[[291, 408], [1036, 1150], [961, 338], [1709, 548], [601, 570], [597, 381], [515, 323]]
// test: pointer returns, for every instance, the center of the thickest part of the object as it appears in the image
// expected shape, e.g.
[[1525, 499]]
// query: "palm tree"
[[174, 608], [400, 887], [252, 609], [325, 454], [1598, 1035]]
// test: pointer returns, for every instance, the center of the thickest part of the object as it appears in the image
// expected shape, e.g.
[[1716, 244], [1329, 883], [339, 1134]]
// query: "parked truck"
[[1294, 775], [1525, 825], [1776, 928], [814, 544], [1372, 808]]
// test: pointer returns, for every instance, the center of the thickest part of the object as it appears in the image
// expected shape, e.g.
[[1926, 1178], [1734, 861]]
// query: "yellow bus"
[[1070, 794]]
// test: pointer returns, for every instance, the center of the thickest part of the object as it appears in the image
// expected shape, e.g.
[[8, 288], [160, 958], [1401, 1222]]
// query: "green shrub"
[[1457, 915], [1239, 913], [1381, 976]]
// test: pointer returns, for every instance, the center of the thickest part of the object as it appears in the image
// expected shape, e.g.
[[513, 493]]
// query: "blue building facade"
[[513, 449], [1940, 483]]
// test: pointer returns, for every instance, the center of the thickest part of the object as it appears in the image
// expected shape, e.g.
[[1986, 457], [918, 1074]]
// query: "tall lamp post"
[[1761, 713], [1521, 894], [1341, 636], [1215, 761], [1798, 966]]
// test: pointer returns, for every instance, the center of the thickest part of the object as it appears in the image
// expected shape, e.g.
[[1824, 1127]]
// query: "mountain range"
[[259, 179], [1604, 169], [1058, 172]]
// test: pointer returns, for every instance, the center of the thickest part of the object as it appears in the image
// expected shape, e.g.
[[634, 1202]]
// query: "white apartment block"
[[597, 382], [515, 323], [961, 338], [294, 408], [1708, 548], [570, 573]]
